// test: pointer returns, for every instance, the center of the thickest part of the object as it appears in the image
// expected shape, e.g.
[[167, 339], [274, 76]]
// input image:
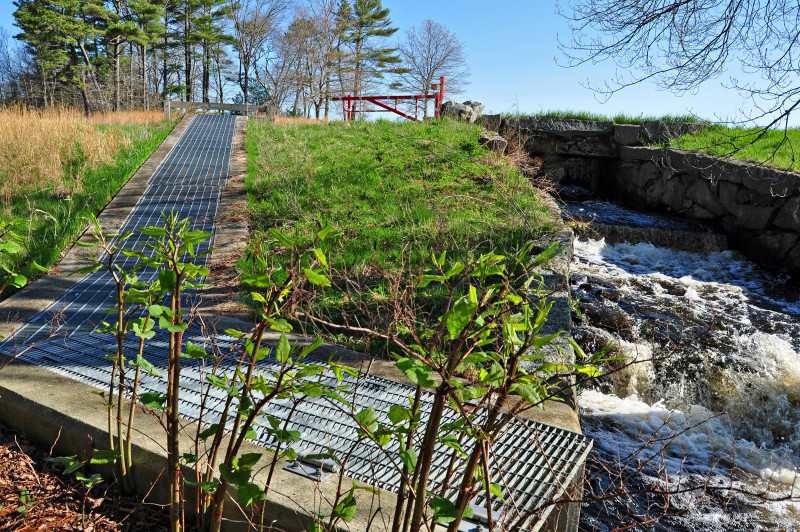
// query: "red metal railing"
[[349, 109]]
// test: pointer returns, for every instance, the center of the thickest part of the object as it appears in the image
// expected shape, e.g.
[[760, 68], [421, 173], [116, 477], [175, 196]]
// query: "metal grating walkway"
[[535, 462]]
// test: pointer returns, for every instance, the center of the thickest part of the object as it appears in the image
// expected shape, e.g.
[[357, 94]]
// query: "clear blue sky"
[[511, 48]]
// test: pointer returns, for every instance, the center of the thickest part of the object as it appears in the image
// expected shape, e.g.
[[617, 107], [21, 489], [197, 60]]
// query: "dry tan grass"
[[129, 117], [50, 149]]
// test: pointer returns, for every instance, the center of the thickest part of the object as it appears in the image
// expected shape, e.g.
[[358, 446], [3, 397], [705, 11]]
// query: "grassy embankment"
[[773, 148], [57, 168], [620, 118], [397, 191]]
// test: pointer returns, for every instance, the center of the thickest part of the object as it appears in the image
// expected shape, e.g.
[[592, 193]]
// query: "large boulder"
[[468, 111], [493, 141]]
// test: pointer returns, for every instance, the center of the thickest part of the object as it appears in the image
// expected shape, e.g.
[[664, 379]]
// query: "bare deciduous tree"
[[429, 52], [680, 44], [254, 23]]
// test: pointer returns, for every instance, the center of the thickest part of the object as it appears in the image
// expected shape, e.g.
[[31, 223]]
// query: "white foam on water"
[[707, 274], [687, 444], [748, 436]]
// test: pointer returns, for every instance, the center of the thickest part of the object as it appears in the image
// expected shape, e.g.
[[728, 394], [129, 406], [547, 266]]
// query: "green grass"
[[620, 118], [50, 222], [390, 187], [397, 191], [776, 148]]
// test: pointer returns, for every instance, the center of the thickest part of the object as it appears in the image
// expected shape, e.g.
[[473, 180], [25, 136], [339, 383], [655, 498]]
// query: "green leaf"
[[283, 351], [346, 509], [416, 371], [323, 233], [551, 251], [282, 239], [409, 459], [155, 310], [168, 280], [316, 278], [259, 280], [398, 414], [89, 269], [153, 400], [195, 237], [333, 394], [454, 270], [451, 440], [493, 376], [222, 384], [579, 353], [104, 456], [248, 460], [307, 350], [541, 341], [430, 278], [368, 419], [146, 366], [235, 477], [478, 357], [236, 334], [72, 463], [279, 324], [10, 247], [444, 511], [209, 487], [210, 431], [258, 297], [591, 371], [166, 323], [495, 490], [321, 257], [459, 316], [143, 328], [153, 231], [531, 393], [17, 280], [194, 351], [250, 493], [88, 481]]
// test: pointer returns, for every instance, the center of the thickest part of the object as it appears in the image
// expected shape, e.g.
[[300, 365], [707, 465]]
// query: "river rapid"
[[698, 428]]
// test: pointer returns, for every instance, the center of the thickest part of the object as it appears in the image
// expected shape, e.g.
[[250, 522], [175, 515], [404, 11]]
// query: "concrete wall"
[[758, 207]]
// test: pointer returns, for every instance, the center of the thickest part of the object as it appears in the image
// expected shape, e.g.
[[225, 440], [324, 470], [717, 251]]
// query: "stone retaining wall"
[[758, 207]]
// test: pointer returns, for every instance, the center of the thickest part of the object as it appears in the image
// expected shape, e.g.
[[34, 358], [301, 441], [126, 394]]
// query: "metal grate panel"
[[533, 462]]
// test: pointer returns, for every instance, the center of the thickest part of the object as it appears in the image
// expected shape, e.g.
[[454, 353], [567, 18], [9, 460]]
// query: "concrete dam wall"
[[758, 207]]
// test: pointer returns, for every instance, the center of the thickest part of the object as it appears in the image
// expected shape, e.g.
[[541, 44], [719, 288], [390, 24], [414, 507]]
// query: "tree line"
[[285, 55]]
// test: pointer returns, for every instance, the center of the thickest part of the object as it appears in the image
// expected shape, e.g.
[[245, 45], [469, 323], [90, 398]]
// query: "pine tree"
[[148, 15], [209, 32], [57, 32], [120, 29], [188, 12], [368, 21]]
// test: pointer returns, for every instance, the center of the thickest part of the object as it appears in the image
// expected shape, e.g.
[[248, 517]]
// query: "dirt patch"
[[230, 238]]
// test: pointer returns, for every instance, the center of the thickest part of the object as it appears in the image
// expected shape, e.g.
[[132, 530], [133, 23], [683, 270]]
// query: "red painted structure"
[[381, 101]]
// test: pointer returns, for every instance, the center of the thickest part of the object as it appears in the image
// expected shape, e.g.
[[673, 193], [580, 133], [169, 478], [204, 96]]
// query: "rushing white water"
[[709, 395]]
